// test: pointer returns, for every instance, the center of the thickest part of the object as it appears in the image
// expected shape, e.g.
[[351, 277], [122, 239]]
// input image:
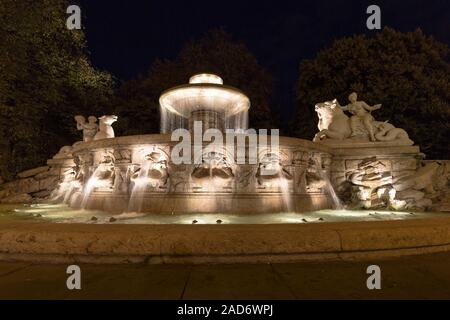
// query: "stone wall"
[[295, 181], [37, 184], [366, 175], [441, 184]]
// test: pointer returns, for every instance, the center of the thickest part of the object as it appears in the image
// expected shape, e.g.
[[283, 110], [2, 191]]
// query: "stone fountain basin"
[[185, 99], [40, 239], [231, 196]]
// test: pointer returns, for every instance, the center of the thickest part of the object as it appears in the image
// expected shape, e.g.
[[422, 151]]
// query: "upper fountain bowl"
[[205, 78], [205, 92]]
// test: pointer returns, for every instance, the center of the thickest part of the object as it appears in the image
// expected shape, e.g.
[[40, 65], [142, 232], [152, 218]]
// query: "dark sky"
[[124, 37]]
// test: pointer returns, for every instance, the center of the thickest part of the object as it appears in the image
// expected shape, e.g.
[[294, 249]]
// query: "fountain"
[[253, 198], [324, 178], [204, 99], [138, 174], [190, 168]]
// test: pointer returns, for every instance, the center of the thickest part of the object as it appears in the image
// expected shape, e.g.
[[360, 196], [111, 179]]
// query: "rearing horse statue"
[[333, 122]]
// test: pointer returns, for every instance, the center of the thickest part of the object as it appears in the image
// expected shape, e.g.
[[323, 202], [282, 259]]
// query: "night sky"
[[124, 37]]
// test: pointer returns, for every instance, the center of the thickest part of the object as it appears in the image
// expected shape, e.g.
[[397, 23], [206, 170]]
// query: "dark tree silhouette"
[[409, 73], [45, 79], [215, 52]]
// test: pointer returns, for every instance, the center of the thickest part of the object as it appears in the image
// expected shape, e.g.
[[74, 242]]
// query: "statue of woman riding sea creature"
[[334, 124], [361, 112]]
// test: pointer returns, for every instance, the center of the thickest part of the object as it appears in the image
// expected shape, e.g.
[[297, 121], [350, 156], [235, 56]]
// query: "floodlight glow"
[[205, 78], [204, 92]]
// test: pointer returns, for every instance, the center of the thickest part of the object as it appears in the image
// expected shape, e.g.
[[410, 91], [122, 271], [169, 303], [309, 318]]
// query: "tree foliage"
[[409, 73], [216, 52], [45, 79]]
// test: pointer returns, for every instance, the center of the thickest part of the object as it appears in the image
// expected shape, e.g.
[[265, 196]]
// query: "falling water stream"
[[64, 192], [89, 187], [336, 202], [69, 191], [284, 186], [238, 122], [138, 189]]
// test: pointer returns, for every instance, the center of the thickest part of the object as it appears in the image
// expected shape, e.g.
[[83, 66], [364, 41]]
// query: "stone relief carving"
[[106, 130], [246, 178], [122, 179], [122, 155], [213, 164], [361, 114], [104, 174], [372, 185], [270, 169], [301, 161], [153, 171], [83, 165], [66, 186], [301, 157], [314, 181], [368, 180], [419, 190], [180, 178]]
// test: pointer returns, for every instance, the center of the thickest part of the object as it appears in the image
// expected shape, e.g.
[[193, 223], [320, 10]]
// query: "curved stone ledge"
[[165, 139], [136, 173], [221, 243], [166, 203]]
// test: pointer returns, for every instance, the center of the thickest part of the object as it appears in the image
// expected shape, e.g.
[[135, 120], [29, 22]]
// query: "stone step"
[[33, 172]]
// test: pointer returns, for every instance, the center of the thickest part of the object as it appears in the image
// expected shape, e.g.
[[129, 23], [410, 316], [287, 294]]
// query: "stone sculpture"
[[104, 174], [178, 180], [387, 132], [106, 130], [154, 170], [89, 128], [361, 112], [369, 182], [122, 179], [373, 185], [270, 168], [214, 164], [314, 181], [335, 125]]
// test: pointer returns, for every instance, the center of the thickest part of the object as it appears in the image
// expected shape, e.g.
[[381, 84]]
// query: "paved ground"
[[420, 277]]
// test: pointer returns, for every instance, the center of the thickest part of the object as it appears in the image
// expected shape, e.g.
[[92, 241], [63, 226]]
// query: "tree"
[[409, 73], [46, 79], [215, 52]]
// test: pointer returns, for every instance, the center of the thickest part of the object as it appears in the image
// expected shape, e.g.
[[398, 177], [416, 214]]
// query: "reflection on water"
[[63, 214]]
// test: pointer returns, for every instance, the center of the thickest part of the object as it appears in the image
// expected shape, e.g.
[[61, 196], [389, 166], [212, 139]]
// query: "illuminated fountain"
[[138, 174], [227, 168], [204, 99], [258, 181]]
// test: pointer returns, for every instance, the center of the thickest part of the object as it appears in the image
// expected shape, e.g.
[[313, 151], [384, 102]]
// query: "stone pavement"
[[415, 277]]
